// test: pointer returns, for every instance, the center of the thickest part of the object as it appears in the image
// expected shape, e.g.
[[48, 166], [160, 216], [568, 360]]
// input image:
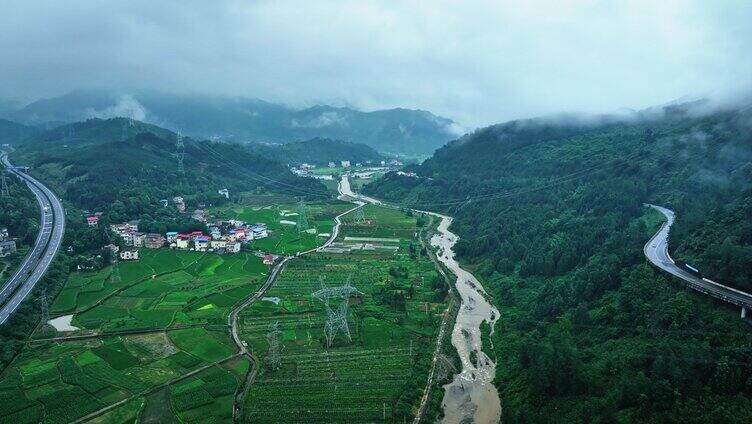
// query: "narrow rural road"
[[46, 246], [656, 251]]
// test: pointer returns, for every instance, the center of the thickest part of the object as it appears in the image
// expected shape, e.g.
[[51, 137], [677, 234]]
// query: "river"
[[471, 396]]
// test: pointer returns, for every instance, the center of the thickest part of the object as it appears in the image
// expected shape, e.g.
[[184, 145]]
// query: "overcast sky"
[[478, 62]]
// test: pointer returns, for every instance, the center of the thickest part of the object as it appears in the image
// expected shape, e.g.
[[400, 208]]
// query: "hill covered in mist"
[[402, 131], [550, 213]]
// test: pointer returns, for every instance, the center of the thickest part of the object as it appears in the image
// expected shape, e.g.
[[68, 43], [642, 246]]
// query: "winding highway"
[[656, 251], [46, 246]]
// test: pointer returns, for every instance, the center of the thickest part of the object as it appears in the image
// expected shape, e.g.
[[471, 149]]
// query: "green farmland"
[[152, 343], [380, 374], [165, 288], [281, 219]]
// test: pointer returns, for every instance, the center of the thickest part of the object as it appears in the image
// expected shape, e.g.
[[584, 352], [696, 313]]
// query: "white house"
[[218, 244], [129, 255], [345, 163], [233, 247]]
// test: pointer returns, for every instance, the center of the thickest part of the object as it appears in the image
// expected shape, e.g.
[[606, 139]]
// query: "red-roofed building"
[[92, 220], [268, 259]]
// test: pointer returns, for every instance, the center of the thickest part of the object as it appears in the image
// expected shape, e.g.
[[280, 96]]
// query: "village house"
[[233, 247], [183, 241], [171, 236], [154, 241], [112, 248], [129, 255], [7, 247], [268, 259], [179, 203], [224, 192], [199, 215], [3, 233], [345, 163], [138, 239], [218, 243], [201, 243], [92, 220]]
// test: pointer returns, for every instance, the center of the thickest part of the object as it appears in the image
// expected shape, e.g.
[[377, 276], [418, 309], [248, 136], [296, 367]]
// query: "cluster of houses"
[[7, 247], [223, 237]]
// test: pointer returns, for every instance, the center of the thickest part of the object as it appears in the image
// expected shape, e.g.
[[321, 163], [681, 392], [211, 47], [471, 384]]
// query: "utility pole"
[[359, 216], [302, 217], [44, 308], [274, 357], [180, 152]]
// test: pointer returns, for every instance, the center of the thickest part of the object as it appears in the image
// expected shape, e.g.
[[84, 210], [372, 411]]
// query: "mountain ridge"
[[397, 130]]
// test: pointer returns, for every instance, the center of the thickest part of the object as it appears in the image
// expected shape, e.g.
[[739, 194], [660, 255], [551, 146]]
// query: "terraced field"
[[165, 288], [189, 294], [379, 374], [57, 383]]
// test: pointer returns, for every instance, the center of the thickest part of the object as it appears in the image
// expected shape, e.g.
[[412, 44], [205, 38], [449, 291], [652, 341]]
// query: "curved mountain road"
[[656, 251]]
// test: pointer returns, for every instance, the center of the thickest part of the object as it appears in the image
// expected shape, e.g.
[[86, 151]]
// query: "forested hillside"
[[318, 151], [125, 169], [12, 132], [550, 214]]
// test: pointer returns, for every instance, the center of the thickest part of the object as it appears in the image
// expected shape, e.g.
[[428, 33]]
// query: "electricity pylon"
[[274, 356], [45, 311], [336, 315], [302, 217], [359, 216], [179, 152], [127, 124], [5, 191]]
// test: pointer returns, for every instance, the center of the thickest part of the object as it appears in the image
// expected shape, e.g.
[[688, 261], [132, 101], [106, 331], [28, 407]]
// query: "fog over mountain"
[[476, 62]]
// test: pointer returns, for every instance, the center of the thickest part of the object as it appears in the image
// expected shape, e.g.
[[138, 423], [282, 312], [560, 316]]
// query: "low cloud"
[[126, 107], [477, 61]]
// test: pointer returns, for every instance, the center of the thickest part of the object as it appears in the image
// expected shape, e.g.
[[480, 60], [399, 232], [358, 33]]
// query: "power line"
[[258, 177]]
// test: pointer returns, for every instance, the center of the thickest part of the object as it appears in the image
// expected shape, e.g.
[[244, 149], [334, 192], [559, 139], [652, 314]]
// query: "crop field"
[[165, 288], [374, 376], [182, 366], [61, 382], [281, 219]]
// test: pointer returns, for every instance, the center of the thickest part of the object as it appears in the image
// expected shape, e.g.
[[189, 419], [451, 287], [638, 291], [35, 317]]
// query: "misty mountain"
[[550, 214], [12, 132], [403, 131]]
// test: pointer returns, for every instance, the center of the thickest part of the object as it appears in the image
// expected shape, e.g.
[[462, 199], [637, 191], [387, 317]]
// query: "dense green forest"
[[317, 151], [124, 168], [550, 214]]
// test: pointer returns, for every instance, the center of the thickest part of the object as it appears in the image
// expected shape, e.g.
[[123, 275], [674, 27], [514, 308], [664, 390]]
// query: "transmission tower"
[[302, 217], [44, 308], [444, 367], [336, 315], [359, 216], [5, 191], [115, 272], [274, 356], [127, 125], [179, 152]]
